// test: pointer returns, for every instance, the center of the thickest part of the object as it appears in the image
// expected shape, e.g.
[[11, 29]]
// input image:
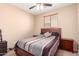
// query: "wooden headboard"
[[58, 30]]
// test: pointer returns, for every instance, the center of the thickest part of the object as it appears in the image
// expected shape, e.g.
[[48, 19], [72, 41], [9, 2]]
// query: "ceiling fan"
[[39, 5]]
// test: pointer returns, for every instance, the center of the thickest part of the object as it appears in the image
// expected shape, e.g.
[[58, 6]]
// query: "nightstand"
[[3, 46], [67, 44], [35, 35]]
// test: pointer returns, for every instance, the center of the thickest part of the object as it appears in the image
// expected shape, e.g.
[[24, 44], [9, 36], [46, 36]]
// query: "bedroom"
[[18, 22]]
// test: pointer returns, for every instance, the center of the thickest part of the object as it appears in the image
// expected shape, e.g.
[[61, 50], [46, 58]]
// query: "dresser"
[[3, 46]]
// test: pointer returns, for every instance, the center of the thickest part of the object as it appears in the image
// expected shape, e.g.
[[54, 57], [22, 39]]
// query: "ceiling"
[[34, 11]]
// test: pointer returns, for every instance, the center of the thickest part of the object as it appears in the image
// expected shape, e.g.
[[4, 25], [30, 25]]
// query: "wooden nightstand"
[[67, 44], [3, 47], [35, 35]]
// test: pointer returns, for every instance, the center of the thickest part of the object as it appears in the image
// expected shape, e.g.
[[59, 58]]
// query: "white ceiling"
[[34, 11]]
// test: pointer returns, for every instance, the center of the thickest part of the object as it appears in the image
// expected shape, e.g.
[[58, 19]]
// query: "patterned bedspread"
[[39, 46]]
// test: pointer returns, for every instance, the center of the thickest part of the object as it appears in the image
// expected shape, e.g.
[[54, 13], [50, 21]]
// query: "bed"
[[39, 47]]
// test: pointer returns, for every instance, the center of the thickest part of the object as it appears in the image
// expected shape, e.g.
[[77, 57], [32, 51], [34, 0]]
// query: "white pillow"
[[47, 34]]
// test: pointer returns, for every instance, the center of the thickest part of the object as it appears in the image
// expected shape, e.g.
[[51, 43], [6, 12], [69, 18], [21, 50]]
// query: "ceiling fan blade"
[[32, 7], [47, 4]]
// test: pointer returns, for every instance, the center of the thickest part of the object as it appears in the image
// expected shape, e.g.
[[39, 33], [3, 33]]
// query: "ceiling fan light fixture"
[[38, 6], [41, 6]]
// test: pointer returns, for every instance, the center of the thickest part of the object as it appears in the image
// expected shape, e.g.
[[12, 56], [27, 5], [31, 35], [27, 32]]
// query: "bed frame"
[[21, 52]]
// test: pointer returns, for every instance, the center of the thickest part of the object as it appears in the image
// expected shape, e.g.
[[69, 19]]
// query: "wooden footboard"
[[21, 52]]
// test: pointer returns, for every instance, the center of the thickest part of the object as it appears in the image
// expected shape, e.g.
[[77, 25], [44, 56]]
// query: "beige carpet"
[[66, 53], [59, 53], [10, 53]]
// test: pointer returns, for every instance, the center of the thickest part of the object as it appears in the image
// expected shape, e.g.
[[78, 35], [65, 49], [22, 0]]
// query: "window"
[[51, 21], [47, 22], [54, 21]]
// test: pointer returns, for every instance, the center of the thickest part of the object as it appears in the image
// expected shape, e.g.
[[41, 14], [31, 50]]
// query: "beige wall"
[[15, 24], [78, 21], [67, 20]]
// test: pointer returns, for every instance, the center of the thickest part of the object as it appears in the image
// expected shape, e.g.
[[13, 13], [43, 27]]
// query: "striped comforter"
[[39, 46]]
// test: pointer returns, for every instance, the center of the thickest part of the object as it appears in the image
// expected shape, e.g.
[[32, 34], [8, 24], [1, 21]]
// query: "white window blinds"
[[51, 21], [54, 21]]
